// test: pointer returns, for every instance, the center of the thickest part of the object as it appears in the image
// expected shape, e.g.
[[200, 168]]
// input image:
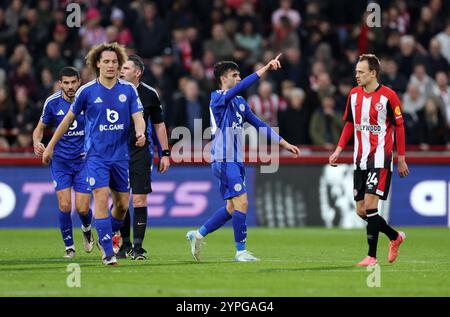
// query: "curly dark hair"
[[94, 55]]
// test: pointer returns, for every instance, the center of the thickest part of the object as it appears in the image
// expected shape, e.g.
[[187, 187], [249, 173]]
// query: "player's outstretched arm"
[[291, 148], [274, 64], [38, 134], [139, 125], [62, 128]]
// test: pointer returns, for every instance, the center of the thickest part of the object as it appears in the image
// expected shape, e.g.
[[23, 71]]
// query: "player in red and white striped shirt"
[[373, 112]]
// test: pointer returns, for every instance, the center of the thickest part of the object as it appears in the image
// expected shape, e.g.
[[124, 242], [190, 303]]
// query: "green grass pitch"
[[294, 262]]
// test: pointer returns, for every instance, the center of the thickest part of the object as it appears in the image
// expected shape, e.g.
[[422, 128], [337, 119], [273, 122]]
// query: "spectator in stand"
[[413, 101], [6, 31], [407, 56], [19, 55], [285, 10], [294, 122], [172, 66], [431, 125], [6, 115], [124, 36], [324, 86], [198, 73], [442, 92], [92, 31], [52, 60], [24, 140], [26, 115], [191, 105], [46, 85], [150, 26], [220, 45], [326, 124], [86, 75], [444, 39], [317, 68], [435, 61], [67, 47], [160, 80], [284, 36], [390, 76], [4, 145], [23, 77], [112, 34], [426, 26], [421, 79], [343, 89], [182, 48], [294, 68], [13, 14], [249, 40], [266, 104]]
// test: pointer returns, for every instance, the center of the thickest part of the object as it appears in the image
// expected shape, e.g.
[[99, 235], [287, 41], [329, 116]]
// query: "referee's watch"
[[165, 153]]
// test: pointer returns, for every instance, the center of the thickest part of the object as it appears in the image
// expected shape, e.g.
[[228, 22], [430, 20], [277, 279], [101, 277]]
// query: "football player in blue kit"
[[108, 104], [67, 167], [228, 114]]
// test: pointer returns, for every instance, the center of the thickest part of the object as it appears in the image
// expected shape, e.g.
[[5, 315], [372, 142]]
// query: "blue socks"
[[104, 232], [220, 217], [115, 223], [217, 220], [86, 220], [240, 229], [65, 225]]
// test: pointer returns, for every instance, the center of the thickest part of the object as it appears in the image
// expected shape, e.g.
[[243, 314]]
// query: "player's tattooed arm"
[[38, 134], [62, 128]]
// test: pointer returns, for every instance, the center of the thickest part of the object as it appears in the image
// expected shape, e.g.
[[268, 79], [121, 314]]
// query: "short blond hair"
[[93, 56]]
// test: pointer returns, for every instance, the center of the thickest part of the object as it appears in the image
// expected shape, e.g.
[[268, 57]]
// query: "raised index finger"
[[278, 56]]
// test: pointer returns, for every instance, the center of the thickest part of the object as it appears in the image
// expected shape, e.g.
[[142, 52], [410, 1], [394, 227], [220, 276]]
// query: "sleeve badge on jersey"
[[397, 111]]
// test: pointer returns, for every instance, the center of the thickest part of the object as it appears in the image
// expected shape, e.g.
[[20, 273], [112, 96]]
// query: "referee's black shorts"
[[140, 170]]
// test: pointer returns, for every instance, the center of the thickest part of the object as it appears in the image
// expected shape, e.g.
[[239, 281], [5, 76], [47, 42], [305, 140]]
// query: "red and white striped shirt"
[[373, 115], [267, 109]]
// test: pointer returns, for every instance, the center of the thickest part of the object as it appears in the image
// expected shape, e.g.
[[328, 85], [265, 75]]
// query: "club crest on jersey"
[[379, 106], [242, 107], [238, 187], [122, 98]]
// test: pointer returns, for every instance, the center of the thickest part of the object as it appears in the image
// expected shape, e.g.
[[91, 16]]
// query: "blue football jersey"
[[228, 113], [71, 145], [227, 127], [108, 114]]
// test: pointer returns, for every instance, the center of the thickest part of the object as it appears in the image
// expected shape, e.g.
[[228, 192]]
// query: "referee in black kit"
[[141, 160]]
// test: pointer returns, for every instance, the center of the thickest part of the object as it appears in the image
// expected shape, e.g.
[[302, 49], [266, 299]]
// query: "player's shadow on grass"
[[149, 263], [307, 269]]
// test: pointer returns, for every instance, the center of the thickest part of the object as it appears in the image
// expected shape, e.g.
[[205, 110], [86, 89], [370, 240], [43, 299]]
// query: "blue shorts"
[[112, 174], [231, 178], [70, 173]]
